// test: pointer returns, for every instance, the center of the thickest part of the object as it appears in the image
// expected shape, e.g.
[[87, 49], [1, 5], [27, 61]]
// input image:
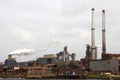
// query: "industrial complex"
[[64, 65]]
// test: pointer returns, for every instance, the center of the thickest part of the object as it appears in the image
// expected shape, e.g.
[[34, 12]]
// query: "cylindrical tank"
[[73, 57]]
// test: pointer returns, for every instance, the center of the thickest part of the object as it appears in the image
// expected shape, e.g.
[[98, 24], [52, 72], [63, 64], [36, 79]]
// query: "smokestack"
[[103, 33], [93, 50], [73, 57]]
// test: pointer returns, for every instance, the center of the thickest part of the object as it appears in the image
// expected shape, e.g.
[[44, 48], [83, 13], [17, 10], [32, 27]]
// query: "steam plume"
[[55, 40], [23, 52]]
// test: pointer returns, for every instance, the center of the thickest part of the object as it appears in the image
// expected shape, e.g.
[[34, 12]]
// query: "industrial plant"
[[63, 64]]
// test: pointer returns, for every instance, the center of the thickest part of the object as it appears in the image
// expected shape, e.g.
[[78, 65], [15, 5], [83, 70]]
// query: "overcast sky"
[[53, 24]]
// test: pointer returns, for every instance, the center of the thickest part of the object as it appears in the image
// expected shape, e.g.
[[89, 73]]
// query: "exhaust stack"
[[103, 34], [93, 48]]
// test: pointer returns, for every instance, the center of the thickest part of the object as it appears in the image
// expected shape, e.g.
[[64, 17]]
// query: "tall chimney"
[[93, 50], [73, 57], [103, 34]]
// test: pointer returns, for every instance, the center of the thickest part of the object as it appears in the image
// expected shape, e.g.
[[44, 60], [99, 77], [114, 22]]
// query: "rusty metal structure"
[[88, 52], [66, 54], [88, 57]]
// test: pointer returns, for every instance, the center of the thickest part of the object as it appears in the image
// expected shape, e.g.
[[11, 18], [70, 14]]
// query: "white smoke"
[[23, 52], [52, 42], [43, 49], [55, 40], [26, 52]]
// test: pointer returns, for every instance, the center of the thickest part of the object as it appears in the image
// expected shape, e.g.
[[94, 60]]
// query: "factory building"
[[60, 56], [104, 65], [111, 56], [60, 63], [10, 61], [63, 56], [47, 59], [109, 62]]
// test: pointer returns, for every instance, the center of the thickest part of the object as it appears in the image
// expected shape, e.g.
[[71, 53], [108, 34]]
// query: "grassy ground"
[[5, 75], [98, 76]]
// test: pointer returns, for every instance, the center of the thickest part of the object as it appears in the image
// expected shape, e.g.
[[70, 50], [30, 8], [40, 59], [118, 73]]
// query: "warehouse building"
[[47, 59], [104, 65]]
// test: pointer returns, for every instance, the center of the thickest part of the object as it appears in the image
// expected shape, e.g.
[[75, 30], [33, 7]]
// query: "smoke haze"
[[23, 52]]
